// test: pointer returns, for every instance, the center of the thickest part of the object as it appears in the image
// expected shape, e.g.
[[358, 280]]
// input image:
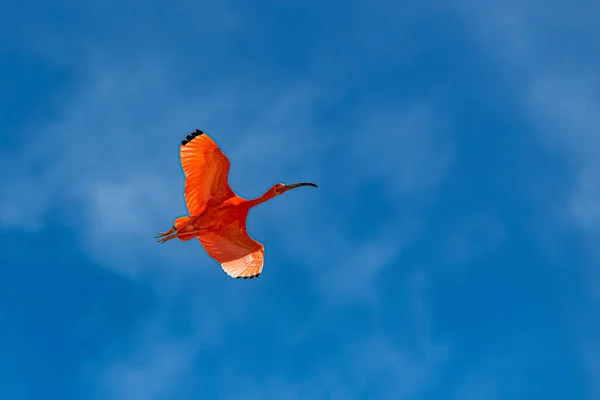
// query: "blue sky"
[[450, 252]]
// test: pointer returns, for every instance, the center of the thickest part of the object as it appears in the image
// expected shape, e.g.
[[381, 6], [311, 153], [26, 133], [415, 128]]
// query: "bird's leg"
[[168, 235], [170, 231], [167, 238]]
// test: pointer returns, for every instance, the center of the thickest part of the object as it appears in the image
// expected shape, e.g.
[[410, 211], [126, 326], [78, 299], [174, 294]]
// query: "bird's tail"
[[181, 222]]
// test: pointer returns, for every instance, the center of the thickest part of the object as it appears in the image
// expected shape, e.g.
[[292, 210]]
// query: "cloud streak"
[[550, 52]]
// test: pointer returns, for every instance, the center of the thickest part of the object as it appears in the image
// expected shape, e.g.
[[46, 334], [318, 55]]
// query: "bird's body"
[[217, 215]]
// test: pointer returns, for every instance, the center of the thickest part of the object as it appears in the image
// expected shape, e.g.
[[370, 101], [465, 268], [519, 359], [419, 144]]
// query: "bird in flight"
[[217, 215]]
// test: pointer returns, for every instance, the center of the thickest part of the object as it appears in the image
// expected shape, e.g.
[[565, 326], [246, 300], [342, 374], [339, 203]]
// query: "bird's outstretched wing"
[[240, 256], [206, 171]]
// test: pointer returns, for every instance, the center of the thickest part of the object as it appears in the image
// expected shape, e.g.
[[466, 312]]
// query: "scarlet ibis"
[[217, 216]]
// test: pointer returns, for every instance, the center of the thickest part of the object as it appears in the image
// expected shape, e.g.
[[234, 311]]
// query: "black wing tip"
[[191, 136], [248, 277]]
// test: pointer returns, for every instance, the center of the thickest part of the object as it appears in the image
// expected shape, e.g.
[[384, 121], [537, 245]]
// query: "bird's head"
[[276, 190], [280, 188]]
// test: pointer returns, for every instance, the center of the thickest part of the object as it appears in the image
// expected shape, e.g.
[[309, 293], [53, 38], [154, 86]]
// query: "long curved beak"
[[296, 185]]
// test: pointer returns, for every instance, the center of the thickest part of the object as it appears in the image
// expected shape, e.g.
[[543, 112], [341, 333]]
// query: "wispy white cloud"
[[375, 368], [372, 365], [564, 108], [408, 148], [150, 374], [394, 372], [547, 52], [403, 372]]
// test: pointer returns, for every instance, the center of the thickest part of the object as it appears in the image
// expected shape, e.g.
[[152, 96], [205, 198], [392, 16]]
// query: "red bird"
[[217, 215]]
